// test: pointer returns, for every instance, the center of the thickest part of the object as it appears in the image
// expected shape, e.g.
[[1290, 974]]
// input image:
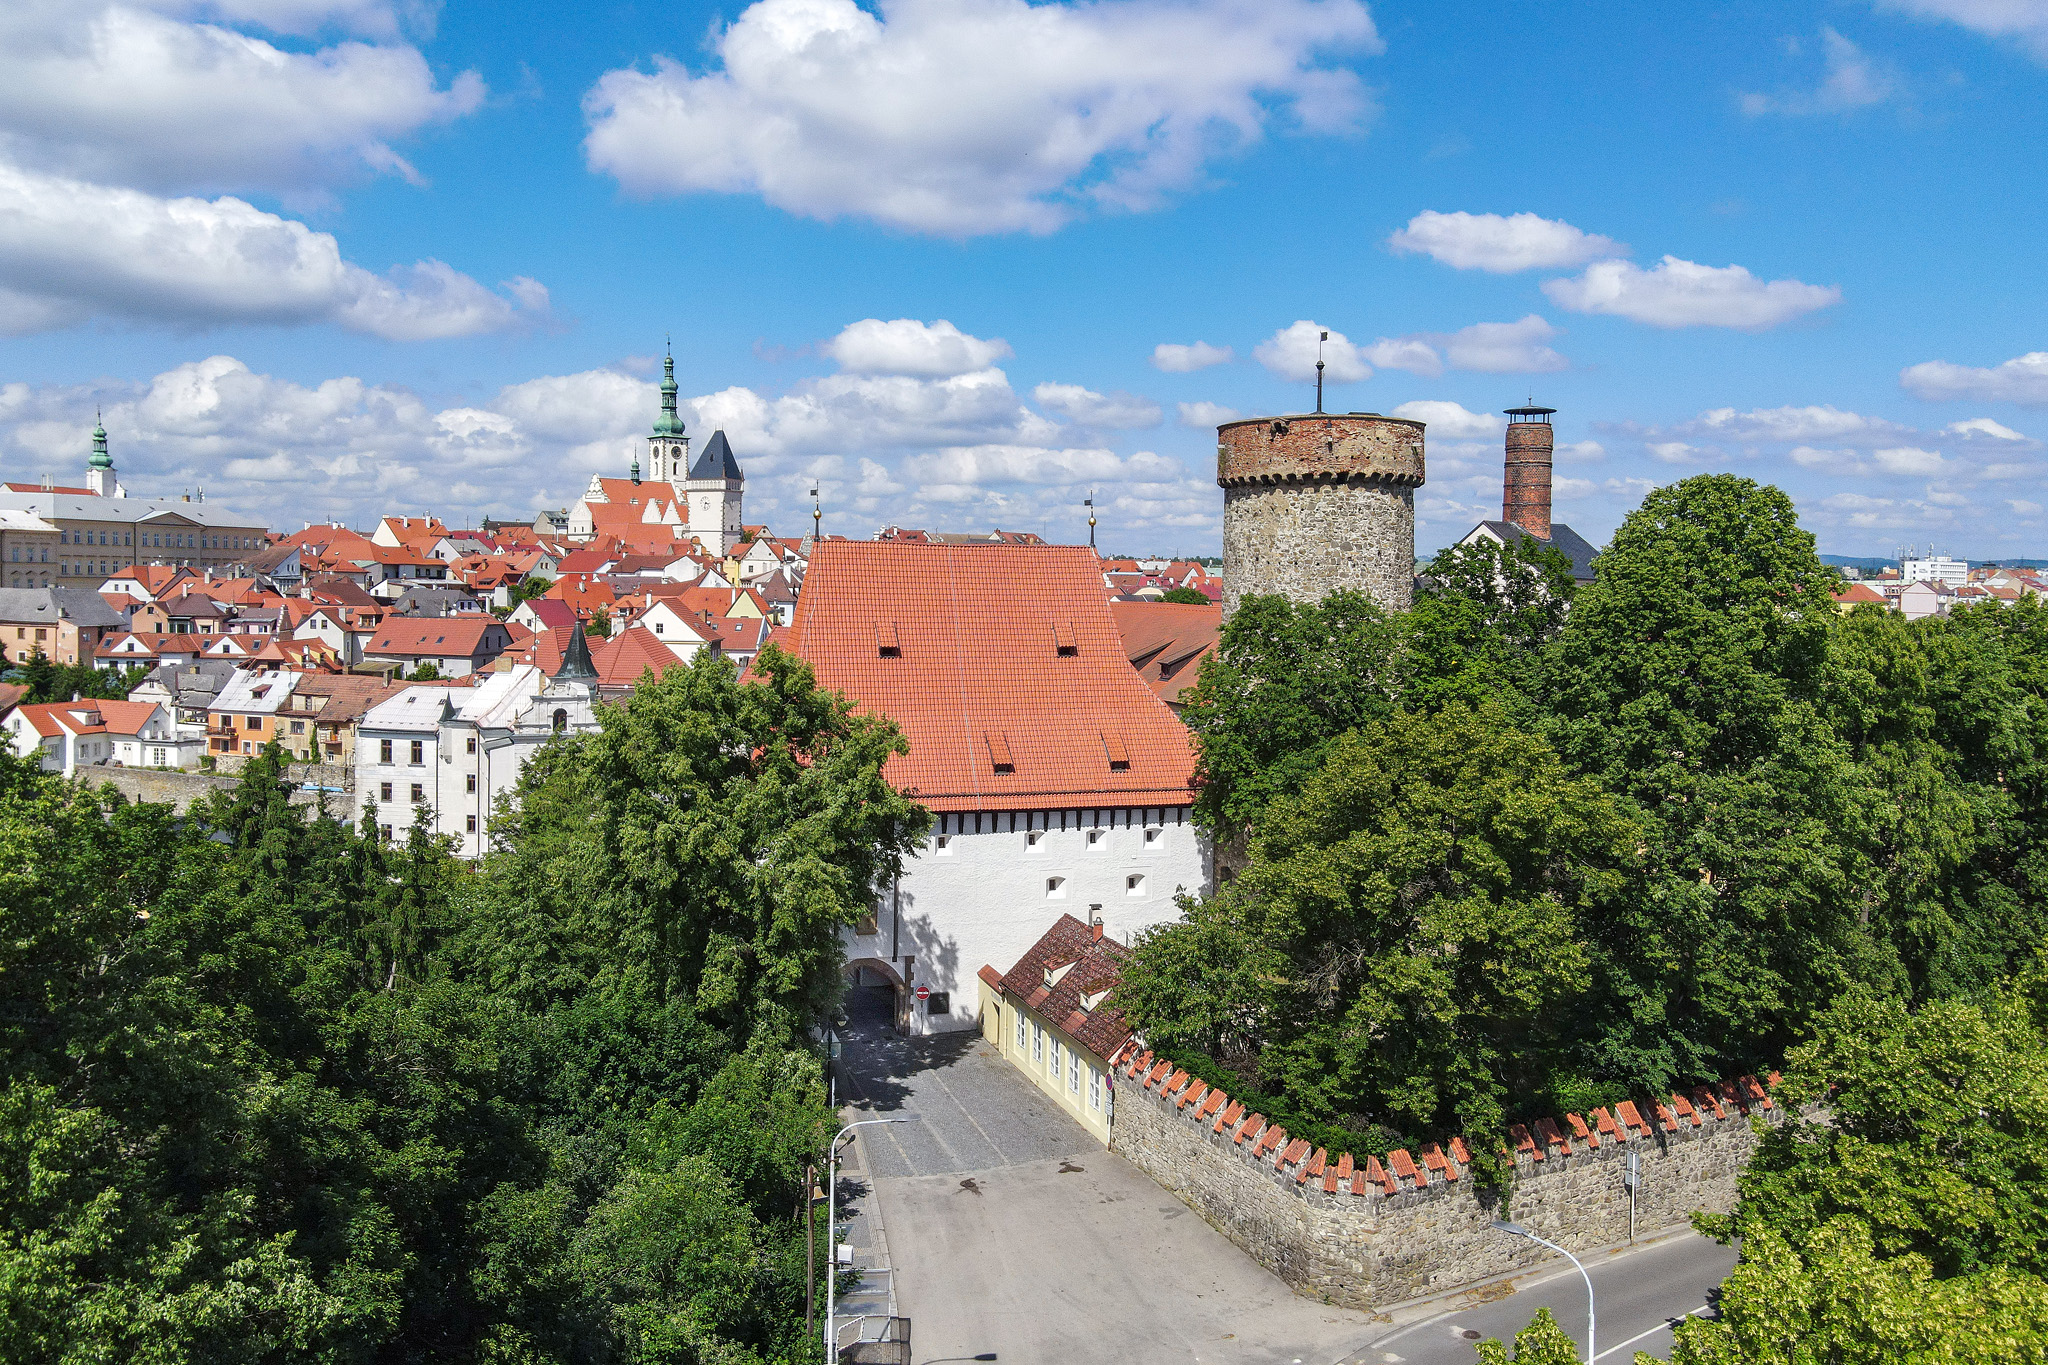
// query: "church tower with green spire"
[[99, 466], [668, 447]]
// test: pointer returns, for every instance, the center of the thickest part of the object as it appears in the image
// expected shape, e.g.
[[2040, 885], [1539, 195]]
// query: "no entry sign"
[[924, 993]]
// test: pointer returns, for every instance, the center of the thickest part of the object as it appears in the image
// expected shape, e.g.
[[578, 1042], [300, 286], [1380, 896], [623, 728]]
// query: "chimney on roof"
[[1525, 499]]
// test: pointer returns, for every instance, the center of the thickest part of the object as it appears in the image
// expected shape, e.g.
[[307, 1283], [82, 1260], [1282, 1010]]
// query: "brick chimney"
[[1525, 501]]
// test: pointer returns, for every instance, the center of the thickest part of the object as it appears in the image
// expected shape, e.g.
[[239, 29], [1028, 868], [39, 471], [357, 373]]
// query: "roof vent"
[[999, 751], [1119, 754], [888, 644], [1063, 639]]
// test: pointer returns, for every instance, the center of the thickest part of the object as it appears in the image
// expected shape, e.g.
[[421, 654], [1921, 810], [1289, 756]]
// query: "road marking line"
[[1663, 1326]]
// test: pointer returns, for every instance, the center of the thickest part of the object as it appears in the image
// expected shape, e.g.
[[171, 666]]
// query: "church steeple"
[[668, 424], [668, 449], [99, 466]]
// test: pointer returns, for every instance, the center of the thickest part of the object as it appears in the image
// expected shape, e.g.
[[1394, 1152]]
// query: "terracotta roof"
[[89, 717], [1859, 592], [958, 643], [438, 636], [552, 612], [1086, 965], [1167, 641], [622, 659]]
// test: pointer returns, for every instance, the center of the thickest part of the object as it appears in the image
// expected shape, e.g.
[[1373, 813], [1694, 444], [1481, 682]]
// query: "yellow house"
[[1048, 1015]]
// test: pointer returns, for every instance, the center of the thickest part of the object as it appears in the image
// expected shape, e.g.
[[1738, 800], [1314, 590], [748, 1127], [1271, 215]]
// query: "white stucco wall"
[[982, 898]]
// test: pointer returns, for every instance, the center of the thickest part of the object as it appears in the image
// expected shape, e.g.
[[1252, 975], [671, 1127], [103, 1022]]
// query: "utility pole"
[[810, 1248]]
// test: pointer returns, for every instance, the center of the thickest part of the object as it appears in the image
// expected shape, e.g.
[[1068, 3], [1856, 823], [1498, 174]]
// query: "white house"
[[1059, 780], [456, 750], [67, 736]]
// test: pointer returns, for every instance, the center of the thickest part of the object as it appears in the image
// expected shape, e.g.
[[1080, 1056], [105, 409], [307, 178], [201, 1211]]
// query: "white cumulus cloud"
[[963, 117], [1677, 293], [70, 250], [1815, 422], [1086, 408], [1174, 358], [2023, 379], [1504, 347], [1291, 353], [907, 346], [1501, 244], [1414, 354], [1206, 414], [129, 94], [1450, 421], [1984, 428]]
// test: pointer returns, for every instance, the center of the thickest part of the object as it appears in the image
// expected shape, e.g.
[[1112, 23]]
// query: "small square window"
[[1034, 838], [943, 845], [1134, 885], [1154, 838], [1095, 837], [1055, 888]]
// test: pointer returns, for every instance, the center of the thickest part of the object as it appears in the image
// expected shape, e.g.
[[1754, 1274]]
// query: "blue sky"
[[340, 257]]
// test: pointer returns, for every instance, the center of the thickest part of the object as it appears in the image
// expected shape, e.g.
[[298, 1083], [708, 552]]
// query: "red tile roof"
[[437, 637], [621, 660], [1167, 641], [1010, 641], [1092, 963]]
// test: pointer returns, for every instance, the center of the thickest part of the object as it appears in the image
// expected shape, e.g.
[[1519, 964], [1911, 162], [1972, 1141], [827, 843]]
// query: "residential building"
[[1050, 1016], [456, 749], [67, 736], [28, 549], [1058, 778], [65, 624], [317, 723], [244, 714], [455, 646], [186, 688]]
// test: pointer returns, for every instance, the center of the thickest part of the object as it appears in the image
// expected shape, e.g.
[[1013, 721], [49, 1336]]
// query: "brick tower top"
[[1525, 487], [1350, 447]]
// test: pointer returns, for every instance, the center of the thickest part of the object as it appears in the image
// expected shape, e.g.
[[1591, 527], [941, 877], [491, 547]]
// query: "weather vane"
[[1319, 370]]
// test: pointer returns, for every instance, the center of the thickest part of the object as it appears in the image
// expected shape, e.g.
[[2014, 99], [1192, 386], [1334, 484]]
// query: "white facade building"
[[456, 750], [987, 885], [67, 736], [1934, 568]]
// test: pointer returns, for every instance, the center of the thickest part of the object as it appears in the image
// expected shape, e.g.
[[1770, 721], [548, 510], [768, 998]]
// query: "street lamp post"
[[832, 1225], [1517, 1230]]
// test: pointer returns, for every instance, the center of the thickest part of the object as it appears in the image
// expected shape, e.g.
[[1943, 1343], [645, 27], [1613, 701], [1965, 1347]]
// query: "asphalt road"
[[1010, 1230], [1637, 1294]]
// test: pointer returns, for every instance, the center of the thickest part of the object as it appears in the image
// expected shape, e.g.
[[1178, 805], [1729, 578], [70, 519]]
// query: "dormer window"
[[1118, 753], [999, 752], [1063, 641], [1091, 999], [888, 644], [1056, 973]]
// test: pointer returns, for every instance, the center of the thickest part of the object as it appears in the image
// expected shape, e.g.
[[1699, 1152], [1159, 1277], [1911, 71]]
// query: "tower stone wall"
[[1317, 502]]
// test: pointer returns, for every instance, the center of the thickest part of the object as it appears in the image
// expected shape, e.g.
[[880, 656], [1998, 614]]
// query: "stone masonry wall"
[[1316, 502], [1372, 1234], [181, 789]]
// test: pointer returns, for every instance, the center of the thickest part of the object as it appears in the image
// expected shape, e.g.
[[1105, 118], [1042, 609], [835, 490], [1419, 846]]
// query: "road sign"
[[924, 993]]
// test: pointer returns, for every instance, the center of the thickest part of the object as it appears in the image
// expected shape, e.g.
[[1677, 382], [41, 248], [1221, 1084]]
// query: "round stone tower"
[[1317, 502]]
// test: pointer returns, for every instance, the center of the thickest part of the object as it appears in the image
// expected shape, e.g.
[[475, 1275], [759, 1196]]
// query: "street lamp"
[[1517, 1230], [832, 1223]]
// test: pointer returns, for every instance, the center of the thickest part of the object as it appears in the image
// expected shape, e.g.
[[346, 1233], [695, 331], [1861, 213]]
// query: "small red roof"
[[437, 636], [621, 660], [968, 648]]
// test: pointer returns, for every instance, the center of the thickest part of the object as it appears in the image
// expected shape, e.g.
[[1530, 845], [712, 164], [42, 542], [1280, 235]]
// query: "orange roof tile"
[[1005, 639]]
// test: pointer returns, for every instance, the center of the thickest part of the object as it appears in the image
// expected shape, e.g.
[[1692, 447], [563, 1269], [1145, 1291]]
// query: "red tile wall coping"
[[1435, 1166]]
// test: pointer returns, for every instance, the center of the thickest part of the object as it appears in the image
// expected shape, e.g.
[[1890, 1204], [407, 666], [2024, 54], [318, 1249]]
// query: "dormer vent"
[[999, 752], [888, 644], [1063, 641], [1116, 750]]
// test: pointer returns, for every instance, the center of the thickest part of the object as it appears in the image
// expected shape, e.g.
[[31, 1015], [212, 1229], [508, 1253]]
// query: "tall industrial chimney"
[[1525, 501]]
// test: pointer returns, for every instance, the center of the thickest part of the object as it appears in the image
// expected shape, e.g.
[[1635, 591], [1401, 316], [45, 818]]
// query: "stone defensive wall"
[[180, 789], [1375, 1233]]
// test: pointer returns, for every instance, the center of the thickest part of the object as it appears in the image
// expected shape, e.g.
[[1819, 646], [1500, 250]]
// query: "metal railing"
[[878, 1339]]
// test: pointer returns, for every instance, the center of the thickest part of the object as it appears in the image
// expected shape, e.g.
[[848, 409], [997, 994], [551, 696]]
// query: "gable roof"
[[437, 636], [1562, 538], [1005, 641], [621, 660], [715, 460], [88, 717], [1167, 641], [1092, 965]]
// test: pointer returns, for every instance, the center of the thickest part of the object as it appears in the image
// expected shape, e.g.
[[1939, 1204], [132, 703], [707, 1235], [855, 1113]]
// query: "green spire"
[[100, 459], [668, 424]]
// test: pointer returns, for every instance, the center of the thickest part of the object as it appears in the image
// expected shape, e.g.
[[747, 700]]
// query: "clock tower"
[[668, 448]]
